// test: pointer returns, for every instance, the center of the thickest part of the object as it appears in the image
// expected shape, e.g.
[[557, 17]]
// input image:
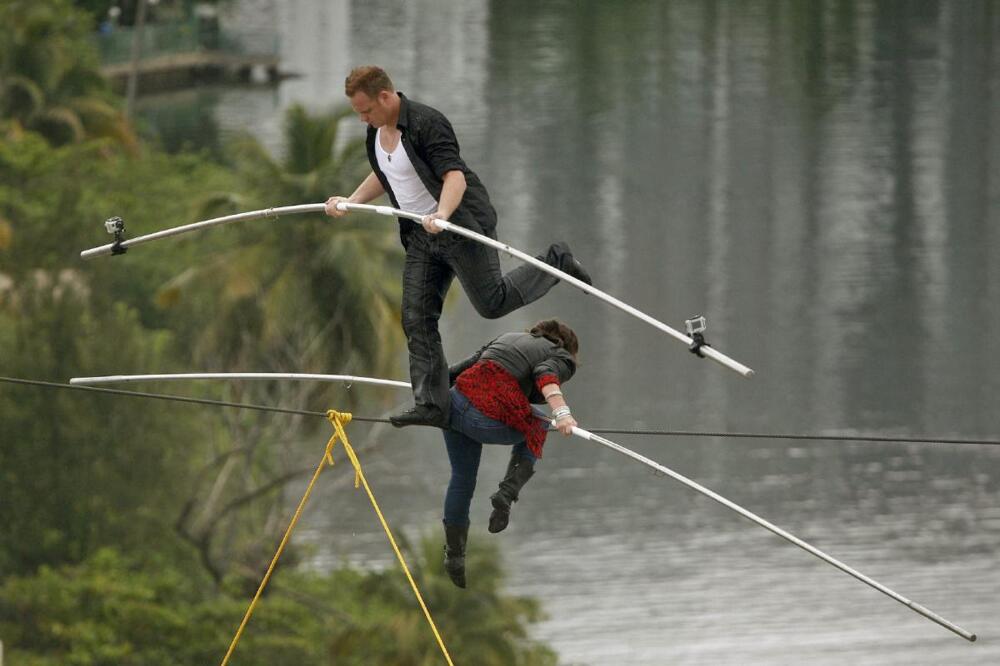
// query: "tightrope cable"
[[178, 398], [894, 439], [338, 420]]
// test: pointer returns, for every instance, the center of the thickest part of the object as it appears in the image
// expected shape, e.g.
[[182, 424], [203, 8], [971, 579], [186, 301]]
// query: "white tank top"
[[406, 184]]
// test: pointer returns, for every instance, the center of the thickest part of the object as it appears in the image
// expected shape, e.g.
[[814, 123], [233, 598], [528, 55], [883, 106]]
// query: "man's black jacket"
[[431, 145]]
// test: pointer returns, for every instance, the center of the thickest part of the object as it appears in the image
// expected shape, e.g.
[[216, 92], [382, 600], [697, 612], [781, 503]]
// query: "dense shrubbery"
[[113, 610]]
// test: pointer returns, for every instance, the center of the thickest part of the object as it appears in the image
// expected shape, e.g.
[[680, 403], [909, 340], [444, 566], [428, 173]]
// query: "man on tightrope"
[[415, 159]]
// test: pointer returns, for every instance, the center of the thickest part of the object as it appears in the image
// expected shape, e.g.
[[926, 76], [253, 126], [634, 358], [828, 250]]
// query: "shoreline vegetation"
[[136, 535]]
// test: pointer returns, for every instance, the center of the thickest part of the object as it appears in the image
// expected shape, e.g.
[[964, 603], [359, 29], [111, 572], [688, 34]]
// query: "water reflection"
[[817, 179]]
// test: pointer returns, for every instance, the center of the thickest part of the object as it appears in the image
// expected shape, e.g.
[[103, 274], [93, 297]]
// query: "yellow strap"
[[339, 420], [338, 426], [327, 458]]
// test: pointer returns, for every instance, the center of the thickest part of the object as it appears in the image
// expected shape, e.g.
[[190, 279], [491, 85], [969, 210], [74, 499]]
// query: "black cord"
[[602, 431], [180, 398]]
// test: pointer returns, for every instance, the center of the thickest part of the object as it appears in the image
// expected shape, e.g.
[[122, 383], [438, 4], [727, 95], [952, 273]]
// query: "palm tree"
[[303, 294], [50, 80]]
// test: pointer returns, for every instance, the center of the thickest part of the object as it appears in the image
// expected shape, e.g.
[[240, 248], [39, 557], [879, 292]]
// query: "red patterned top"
[[497, 394]]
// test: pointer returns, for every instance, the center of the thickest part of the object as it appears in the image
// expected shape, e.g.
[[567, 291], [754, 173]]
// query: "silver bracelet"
[[560, 412], [556, 392]]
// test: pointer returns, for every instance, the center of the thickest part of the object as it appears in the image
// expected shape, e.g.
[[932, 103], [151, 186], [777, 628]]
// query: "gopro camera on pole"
[[116, 227], [696, 331]]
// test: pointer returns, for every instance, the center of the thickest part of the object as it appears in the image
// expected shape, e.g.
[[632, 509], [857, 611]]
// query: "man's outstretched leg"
[[494, 294]]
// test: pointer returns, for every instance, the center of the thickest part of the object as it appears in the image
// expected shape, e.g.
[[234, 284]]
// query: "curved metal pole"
[[912, 605], [708, 352], [205, 224], [263, 376]]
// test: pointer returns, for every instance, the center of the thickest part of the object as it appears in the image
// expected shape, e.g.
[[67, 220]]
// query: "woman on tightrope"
[[491, 398]]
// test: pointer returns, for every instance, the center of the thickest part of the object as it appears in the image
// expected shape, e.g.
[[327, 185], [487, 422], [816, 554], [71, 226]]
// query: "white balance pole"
[[912, 605], [204, 224], [261, 376], [708, 352]]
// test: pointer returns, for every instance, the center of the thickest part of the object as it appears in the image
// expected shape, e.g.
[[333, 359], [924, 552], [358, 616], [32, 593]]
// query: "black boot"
[[569, 264], [455, 537], [519, 470], [419, 415]]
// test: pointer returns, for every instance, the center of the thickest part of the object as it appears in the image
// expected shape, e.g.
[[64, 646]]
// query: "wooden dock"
[[179, 70]]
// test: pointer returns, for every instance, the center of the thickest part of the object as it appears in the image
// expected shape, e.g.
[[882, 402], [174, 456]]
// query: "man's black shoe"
[[573, 268], [571, 265], [419, 416]]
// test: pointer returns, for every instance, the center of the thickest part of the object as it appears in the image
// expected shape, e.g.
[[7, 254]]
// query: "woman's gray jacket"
[[525, 356]]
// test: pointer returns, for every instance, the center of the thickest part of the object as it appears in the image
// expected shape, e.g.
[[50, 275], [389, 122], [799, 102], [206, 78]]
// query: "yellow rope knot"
[[339, 420], [343, 417]]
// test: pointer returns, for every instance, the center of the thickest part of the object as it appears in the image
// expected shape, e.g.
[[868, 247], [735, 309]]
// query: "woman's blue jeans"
[[468, 430]]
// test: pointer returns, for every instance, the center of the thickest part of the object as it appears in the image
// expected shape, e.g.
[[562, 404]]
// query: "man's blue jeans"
[[468, 430]]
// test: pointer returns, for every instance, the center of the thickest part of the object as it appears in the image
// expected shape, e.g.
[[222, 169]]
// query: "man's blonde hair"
[[369, 79]]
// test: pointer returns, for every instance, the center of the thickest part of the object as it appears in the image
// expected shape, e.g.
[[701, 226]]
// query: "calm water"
[[821, 180]]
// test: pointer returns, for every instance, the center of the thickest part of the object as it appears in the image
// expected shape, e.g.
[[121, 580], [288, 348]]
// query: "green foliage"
[[302, 294], [308, 294], [182, 123], [50, 79], [480, 625], [97, 9], [78, 470], [112, 609], [128, 524], [53, 202]]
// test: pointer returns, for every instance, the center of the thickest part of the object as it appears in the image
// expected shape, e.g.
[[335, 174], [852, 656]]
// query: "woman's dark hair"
[[557, 332]]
